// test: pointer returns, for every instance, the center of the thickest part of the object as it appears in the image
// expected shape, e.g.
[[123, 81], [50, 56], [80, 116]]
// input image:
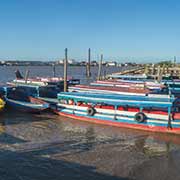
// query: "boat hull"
[[154, 125], [121, 125], [25, 106], [115, 90], [128, 84]]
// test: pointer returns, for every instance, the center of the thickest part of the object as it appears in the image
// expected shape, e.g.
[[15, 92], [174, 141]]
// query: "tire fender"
[[91, 111], [140, 117]]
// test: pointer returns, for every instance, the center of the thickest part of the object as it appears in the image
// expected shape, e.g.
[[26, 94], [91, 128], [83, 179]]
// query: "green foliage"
[[165, 64]]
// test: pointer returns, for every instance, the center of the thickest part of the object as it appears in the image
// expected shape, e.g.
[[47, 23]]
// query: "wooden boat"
[[137, 112], [2, 104], [34, 105], [140, 77], [42, 88], [128, 84], [43, 81], [46, 93], [173, 82], [164, 92], [17, 99]]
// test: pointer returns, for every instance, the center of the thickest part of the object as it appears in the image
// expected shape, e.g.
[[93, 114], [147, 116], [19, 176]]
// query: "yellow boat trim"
[[2, 104]]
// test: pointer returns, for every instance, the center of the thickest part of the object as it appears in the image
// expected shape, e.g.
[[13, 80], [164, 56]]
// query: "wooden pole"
[[174, 61], [100, 67], [159, 74], [26, 75], [153, 69], [88, 70], [146, 69], [163, 69], [54, 70], [174, 71], [104, 73], [65, 70]]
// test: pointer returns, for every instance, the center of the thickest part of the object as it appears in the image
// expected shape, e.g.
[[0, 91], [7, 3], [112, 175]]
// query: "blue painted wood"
[[137, 101], [26, 106], [160, 123], [116, 96]]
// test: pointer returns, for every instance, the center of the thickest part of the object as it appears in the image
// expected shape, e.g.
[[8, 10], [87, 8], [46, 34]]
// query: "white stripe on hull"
[[125, 85], [118, 117], [26, 103], [117, 112]]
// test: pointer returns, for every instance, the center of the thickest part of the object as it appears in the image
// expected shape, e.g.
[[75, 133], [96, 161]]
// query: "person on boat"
[[71, 102]]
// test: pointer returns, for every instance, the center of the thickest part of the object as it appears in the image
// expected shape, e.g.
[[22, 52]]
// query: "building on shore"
[[71, 62], [111, 63]]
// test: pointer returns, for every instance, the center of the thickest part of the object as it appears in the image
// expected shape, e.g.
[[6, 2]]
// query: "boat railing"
[[138, 101]]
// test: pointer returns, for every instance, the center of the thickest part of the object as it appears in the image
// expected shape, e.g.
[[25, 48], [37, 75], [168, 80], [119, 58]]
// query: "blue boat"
[[172, 82], [45, 89], [46, 93], [16, 98], [137, 112]]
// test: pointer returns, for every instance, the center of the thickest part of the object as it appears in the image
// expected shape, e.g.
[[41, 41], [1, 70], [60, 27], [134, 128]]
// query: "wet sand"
[[47, 146]]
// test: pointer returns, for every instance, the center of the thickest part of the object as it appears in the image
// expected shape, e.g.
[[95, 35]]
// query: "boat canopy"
[[118, 100]]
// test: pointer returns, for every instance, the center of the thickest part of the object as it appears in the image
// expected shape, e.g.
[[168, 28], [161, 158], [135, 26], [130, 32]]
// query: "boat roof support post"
[[73, 111], [5, 91], [74, 105], [37, 88], [169, 126], [115, 109], [141, 109]]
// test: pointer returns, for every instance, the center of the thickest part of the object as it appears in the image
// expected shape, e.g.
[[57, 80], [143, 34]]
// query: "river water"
[[48, 147]]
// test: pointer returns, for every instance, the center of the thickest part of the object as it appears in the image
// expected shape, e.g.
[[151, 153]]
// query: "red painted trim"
[[131, 84], [36, 100], [129, 109], [124, 125], [137, 90]]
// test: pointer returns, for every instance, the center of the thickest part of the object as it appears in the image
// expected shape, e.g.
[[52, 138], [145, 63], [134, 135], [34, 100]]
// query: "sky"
[[118, 29]]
